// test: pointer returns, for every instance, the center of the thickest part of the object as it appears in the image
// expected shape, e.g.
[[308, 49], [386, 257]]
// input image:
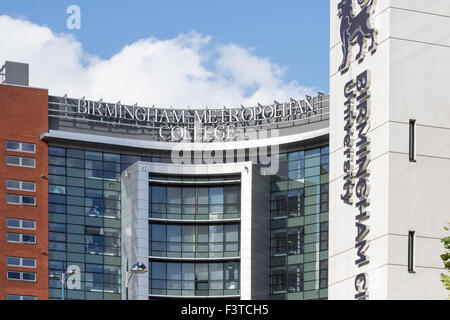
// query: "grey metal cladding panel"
[[135, 227], [16, 73], [107, 130], [260, 235]]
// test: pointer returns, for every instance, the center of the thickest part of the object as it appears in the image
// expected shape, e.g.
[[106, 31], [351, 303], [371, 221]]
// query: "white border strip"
[[156, 145]]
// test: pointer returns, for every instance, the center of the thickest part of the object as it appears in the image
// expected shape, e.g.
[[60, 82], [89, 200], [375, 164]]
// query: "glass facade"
[[194, 241], [212, 246], [299, 225], [194, 227], [195, 202], [194, 279], [84, 221]]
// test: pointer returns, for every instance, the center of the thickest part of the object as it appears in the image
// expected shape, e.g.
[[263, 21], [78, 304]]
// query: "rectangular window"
[[20, 200], [20, 262], [20, 162], [323, 274], [411, 249], [21, 238], [20, 146], [295, 241], [412, 140], [17, 297], [324, 236], [20, 185], [21, 276], [295, 278], [21, 224]]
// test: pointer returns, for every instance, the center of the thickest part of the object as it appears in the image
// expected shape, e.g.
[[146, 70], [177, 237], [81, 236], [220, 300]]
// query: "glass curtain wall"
[[84, 220], [84, 226], [212, 246], [299, 226]]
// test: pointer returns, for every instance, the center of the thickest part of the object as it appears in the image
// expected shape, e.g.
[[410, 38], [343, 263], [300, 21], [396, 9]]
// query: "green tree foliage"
[[445, 278]]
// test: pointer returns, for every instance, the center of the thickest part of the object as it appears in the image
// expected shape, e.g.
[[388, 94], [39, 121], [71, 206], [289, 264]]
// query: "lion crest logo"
[[356, 29]]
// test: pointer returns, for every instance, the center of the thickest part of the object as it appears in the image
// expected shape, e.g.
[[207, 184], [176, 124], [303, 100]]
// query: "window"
[[216, 276], [287, 279], [57, 189], [20, 200], [20, 185], [21, 238], [290, 203], [279, 245], [278, 280], [295, 241], [55, 151], [290, 241], [21, 224], [411, 249], [194, 203], [412, 140], [20, 262], [202, 195], [324, 194], [324, 236], [17, 297], [294, 278], [279, 204], [20, 146], [21, 276], [216, 195], [188, 196], [323, 274], [58, 171], [299, 189], [21, 162], [190, 241], [295, 203]]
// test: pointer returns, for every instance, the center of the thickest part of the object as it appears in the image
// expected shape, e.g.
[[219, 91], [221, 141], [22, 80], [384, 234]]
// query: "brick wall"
[[23, 117]]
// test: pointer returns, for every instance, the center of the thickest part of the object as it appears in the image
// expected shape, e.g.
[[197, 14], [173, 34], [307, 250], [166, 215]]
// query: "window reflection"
[[299, 225], [190, 241], [194, 279], [84, 186], [191, 203], [102, 241]]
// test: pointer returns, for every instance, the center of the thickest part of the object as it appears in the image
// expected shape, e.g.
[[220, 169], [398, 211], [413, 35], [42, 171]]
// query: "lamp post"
[[137, 268], [63, 278]]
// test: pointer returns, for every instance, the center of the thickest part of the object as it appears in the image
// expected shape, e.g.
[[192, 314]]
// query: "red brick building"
[[24, 193]]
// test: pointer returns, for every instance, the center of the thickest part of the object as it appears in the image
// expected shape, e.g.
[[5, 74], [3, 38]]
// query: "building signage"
[[356, 178], [356, 29], [207, 124]]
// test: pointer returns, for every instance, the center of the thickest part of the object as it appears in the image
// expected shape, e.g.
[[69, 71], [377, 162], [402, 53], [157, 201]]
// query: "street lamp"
[[63, 278], [137, 268]]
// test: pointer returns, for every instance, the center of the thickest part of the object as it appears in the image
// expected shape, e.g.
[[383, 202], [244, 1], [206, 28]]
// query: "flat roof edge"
[[56, 135]]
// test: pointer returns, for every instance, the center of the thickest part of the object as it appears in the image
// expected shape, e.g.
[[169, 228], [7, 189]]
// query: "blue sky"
[[294, 34]]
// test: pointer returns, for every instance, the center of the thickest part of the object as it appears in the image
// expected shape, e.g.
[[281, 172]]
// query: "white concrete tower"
[[405, 88]]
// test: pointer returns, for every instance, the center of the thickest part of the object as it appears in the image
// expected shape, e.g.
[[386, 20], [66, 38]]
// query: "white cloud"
[[181, 72]]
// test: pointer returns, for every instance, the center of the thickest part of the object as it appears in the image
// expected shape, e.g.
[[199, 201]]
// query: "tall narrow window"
[[411, 247], [412, 140]]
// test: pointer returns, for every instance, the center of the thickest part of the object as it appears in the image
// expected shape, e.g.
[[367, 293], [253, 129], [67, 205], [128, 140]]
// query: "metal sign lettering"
[[207, 124], [356, 29], [356, 178]]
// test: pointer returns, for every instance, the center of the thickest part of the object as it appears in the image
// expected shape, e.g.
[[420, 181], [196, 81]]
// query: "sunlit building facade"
[[219, 204]]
